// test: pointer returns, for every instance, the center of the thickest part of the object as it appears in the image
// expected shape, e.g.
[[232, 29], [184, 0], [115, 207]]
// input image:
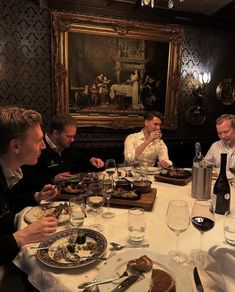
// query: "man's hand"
[[155, 135], [37, 231], [48, 192], [97, 162], [163, 164], [62, 176]]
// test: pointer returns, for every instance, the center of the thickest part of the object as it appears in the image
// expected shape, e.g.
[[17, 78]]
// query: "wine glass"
[[178, 220], [203, 220], [95, 200], [108, 191], [232, 167], [110, 167]]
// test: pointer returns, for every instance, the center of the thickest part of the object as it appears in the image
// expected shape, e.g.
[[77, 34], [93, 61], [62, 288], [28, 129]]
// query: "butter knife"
[[197, 280], [124, 285]]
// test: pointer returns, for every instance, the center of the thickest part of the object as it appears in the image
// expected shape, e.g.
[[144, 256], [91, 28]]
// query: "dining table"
[[157, 234]]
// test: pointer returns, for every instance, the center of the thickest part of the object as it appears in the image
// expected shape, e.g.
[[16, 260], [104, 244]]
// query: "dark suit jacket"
[[50, 163], [8, 246]]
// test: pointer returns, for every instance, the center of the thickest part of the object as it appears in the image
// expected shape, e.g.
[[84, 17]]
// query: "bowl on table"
[[142, 186], [123, 184]]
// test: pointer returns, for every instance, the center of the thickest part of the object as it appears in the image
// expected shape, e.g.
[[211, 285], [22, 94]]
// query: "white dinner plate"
[[116, 265], [152, 170], [60, 241], [36, 212]]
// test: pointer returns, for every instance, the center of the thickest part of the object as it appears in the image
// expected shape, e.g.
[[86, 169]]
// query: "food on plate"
[[142, 264], [71, 250], [176, 173], [40, 211], [125, 195], [81, 238], [161, 281], [71, 189]]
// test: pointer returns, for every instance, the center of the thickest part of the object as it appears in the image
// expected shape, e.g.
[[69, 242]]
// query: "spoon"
[[118, 246]]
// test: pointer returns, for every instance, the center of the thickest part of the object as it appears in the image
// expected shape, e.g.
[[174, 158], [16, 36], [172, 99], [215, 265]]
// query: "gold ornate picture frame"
[[108, 72]]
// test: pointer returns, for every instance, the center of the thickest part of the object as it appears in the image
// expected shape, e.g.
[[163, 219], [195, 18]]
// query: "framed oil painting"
[[108, 72]]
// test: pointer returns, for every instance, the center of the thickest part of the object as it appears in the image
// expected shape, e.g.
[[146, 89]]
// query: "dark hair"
[[150, 115], [14, 122], [60, 121]]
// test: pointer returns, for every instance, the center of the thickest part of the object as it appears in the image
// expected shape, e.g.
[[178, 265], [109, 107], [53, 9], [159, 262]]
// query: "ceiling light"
[[151, 2]]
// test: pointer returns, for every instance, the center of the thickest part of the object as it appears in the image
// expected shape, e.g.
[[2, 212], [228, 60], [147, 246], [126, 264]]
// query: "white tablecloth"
[[158, 235]]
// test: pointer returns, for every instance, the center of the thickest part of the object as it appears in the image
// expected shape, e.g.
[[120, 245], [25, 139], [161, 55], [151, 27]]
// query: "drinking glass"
[[136, 225], [95, 200], [108, 191], [110, 167], [229, 227], [178, 220], [232, 167], [76, 211], [203, 220]]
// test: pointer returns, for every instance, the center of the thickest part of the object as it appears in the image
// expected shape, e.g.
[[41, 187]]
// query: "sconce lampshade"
[[205, 77]]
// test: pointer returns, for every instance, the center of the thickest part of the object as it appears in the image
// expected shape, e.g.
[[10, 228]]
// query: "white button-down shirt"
[[213, 154], [156, 150]]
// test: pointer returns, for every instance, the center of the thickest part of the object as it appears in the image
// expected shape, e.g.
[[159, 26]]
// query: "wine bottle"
[[221, 191], [198, 157]]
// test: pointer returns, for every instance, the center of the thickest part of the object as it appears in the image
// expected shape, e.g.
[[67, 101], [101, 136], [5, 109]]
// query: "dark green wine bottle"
[[221, 192]]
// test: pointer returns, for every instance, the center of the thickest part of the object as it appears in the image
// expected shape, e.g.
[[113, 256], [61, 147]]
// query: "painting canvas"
[[116, 75], [108, 72]]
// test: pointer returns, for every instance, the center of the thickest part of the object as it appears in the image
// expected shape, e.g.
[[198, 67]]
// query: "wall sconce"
[[204, 79], [196, 115], [147, 2]]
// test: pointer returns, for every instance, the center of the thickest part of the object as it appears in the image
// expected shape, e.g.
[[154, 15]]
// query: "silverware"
[[127, 283], [117, 246], [97, 282], [58, 210], [197, 280], [86, 286]]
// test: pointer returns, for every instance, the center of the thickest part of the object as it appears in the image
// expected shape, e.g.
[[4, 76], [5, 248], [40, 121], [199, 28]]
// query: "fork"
[[126, 273], [87, 285]]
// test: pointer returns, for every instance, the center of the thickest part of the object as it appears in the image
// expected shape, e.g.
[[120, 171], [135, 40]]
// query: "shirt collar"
[[12, 176], [52, 145]]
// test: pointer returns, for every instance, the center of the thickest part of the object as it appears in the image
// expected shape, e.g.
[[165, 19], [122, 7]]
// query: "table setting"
[[65, 261]]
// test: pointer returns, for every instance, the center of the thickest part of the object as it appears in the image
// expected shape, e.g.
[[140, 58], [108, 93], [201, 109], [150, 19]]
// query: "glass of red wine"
[[232, 168], [178, 220], [202, 218], [110, 167]]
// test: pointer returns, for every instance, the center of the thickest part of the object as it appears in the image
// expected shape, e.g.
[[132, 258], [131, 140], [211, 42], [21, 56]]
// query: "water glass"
[[229, 227], [136, 225], [76, 211]]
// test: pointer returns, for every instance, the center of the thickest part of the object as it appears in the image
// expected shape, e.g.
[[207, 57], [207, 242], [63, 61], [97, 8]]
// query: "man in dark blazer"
[[61, 158]]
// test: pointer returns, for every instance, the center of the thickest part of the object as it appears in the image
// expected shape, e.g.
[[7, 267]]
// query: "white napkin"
[[220, 266]]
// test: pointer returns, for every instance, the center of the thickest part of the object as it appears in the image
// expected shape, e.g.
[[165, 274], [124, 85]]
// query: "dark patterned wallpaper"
[[25, 56], [26, 72]]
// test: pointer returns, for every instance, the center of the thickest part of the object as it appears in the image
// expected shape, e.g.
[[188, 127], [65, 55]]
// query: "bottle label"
[[227, 196]]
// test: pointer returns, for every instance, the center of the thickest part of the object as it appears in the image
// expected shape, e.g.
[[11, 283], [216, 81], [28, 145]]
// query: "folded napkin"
[[220, 267]]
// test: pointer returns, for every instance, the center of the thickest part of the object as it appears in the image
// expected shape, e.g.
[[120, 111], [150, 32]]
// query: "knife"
[[124, 285], [197, 280]]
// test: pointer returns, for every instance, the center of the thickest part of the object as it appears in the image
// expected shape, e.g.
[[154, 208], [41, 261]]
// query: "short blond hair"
[[226, 117], [14, 122]]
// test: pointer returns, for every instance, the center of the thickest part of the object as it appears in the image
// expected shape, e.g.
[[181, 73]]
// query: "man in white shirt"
[[225, 126], [147, 144]]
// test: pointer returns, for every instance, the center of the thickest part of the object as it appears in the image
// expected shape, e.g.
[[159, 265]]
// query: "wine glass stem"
[[95, 216], [201, 240], [108, 204], [177, 243]]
